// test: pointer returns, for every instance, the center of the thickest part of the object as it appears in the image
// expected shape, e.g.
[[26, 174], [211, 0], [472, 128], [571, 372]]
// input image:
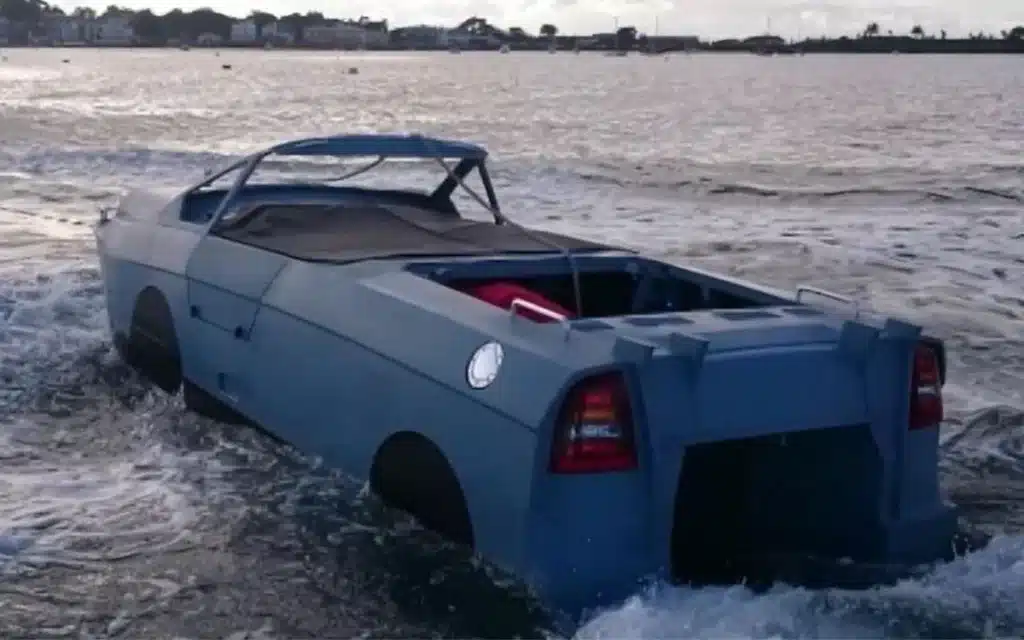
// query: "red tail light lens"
[[925, 390], [595, 433]]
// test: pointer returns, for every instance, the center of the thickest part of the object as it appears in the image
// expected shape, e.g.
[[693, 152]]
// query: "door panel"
[[227, 280], [225, 283]]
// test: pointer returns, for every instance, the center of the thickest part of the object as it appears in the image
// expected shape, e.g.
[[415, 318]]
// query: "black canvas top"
[[363, 231]]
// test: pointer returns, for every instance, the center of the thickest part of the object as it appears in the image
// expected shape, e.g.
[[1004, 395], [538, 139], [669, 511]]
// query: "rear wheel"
[[411, 474]]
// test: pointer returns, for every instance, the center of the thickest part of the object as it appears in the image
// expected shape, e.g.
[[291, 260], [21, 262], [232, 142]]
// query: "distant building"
[[72, 30], [420, 36], [279, 33], [472, 40], [244, 31], [111, 30], [673, 42], [5, 31], [345, 35], [61, 29]]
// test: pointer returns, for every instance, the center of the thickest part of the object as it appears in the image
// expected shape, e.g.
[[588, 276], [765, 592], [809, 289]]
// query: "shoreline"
[[884, 46], [611, 53]]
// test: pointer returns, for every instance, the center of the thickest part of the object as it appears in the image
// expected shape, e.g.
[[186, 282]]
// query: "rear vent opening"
[[594, 432], [751, 510]]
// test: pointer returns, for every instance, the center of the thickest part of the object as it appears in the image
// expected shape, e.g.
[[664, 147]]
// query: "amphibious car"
[[577, 413]]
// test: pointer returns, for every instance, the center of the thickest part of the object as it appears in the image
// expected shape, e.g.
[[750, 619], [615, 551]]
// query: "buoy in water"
[[353, 71], [225, 66], [65, 60]]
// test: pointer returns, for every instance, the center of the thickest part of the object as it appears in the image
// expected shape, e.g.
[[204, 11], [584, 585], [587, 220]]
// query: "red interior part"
[[501, 294]]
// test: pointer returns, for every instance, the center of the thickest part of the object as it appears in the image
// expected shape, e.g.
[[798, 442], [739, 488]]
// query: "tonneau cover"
[[360, 231]]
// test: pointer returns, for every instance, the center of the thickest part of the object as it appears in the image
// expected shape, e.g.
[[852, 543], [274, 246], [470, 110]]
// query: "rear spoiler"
[[939, 347]]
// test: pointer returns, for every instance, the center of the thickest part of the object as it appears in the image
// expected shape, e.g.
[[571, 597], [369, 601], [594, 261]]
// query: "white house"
[[244, 31], [278, 32], [71, 30]]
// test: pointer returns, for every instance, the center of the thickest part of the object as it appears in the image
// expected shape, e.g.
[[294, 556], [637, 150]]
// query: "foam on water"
[[64, 491], [975, 596]]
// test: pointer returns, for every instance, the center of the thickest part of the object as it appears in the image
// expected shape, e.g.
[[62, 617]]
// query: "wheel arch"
[[410, 472], [152, 343]]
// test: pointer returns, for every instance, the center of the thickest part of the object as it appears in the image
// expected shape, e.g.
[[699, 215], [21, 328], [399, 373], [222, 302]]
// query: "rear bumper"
[[884, 556], [921, 539], [595, 555], [575, 574], [590, 542]]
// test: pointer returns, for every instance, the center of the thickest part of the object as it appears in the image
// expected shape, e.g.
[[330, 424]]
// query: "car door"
[[225, 283]]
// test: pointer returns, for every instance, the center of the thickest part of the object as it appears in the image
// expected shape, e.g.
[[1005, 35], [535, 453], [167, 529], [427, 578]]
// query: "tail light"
[[594, 433], [925, 389]]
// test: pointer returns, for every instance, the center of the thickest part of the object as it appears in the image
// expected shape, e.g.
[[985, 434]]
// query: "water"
[[894, 179]]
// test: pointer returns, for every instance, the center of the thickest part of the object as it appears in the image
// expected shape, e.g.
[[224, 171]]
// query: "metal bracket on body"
[[835, 297], [692, 349], [856, 340], [519, 303], [900, 330], [632, 350]]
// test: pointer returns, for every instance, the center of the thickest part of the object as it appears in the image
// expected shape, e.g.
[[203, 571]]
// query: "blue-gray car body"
[[759, 420]]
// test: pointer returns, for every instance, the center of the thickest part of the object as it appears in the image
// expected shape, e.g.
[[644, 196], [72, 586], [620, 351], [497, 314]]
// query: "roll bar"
[[469, 157]]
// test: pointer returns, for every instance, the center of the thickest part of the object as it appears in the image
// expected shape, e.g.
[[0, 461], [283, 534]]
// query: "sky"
[[706, 18]]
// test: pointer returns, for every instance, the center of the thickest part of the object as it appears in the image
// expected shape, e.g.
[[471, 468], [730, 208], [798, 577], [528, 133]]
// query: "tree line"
[[150, 26], [874, 30], [188, 25]]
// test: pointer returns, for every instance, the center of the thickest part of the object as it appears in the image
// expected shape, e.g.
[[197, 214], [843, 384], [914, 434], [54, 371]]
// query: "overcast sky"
[[707, 18]]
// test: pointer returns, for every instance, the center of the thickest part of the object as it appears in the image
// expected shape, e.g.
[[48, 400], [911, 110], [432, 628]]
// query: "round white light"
[[483, 367]]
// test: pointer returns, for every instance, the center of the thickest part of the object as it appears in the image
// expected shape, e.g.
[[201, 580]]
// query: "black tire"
[[411, 474], [152, 344]]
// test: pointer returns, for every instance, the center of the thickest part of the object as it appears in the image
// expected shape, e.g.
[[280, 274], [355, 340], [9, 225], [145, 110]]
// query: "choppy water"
[[898, 180]]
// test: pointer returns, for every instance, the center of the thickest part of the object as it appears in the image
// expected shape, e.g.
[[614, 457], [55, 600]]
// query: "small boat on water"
[[505, 49]]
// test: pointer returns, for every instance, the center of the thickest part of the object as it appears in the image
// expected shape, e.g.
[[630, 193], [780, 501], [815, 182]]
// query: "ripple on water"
[[122, 515]]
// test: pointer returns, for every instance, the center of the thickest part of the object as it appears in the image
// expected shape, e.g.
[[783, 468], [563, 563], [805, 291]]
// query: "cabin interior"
[[493, 262], [609, 286]]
